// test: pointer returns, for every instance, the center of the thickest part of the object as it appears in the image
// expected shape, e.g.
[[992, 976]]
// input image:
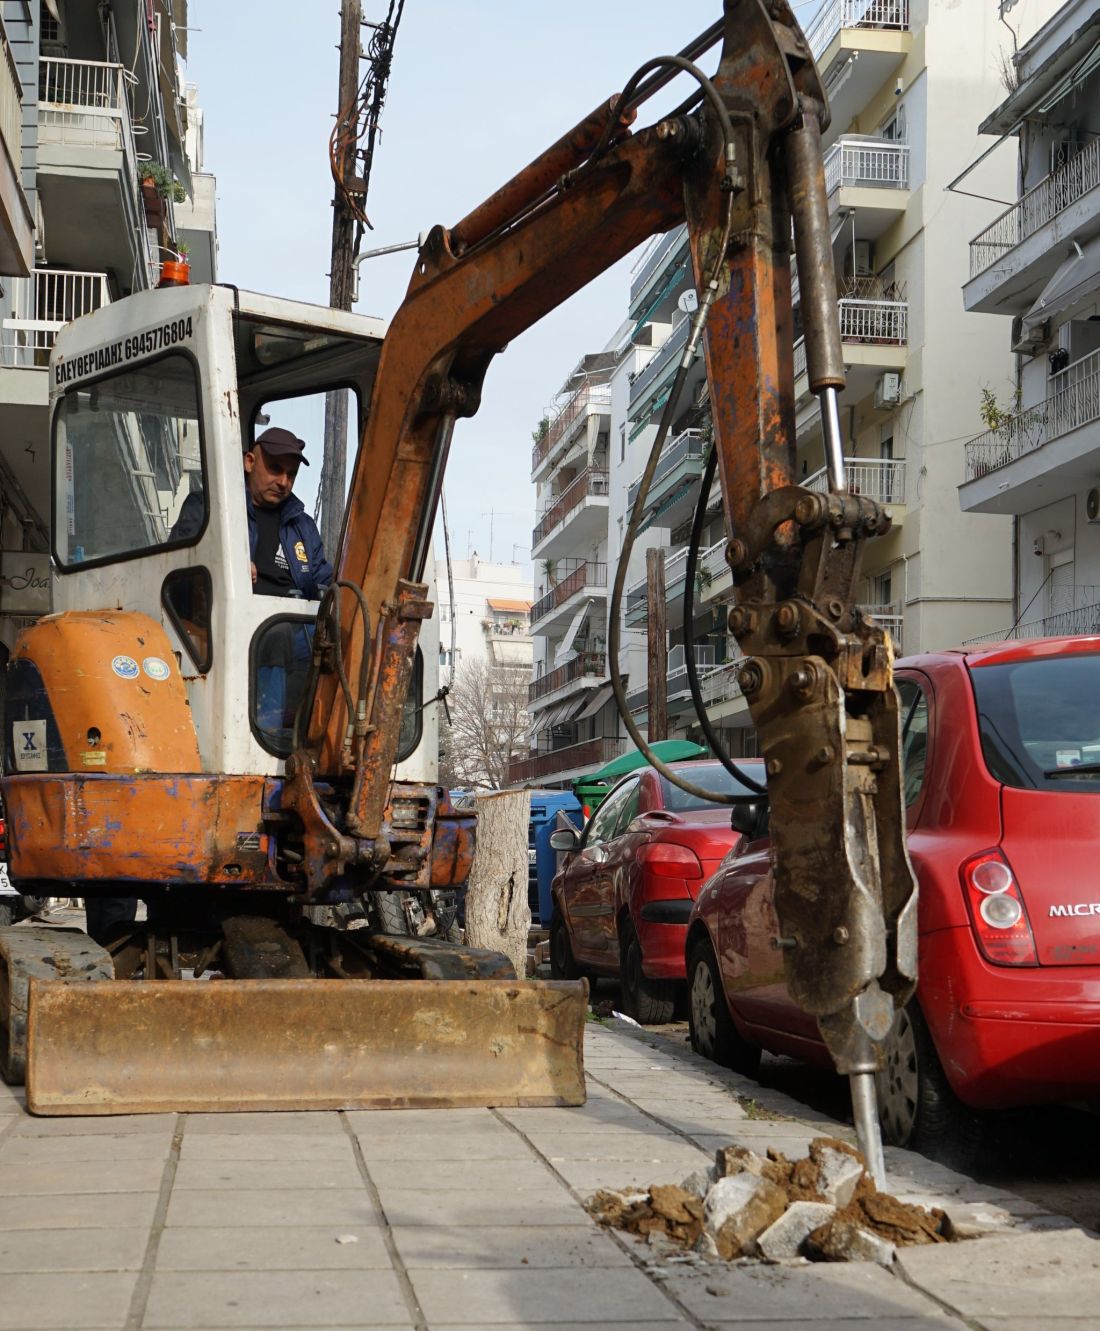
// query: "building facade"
[[96, 190], [1038, 266]]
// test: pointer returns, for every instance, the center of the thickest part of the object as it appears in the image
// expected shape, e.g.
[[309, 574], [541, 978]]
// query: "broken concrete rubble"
[[824, 1206]]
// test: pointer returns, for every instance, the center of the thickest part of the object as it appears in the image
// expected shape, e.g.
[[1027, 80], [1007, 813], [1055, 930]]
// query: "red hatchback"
[[1001, 748], [623, 896]]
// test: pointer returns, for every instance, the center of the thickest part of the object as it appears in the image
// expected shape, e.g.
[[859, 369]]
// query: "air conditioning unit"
[[1092, 504], [888, 390], [863, 259], [1028, 339]]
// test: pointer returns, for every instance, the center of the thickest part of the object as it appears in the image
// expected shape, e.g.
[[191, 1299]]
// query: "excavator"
[[142, 758]]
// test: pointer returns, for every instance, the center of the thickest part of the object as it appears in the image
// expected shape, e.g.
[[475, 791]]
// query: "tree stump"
[[498, 914]]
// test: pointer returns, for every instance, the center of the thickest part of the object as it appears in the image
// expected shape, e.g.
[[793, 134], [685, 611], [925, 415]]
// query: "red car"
[[1001, 748], [621, 900]]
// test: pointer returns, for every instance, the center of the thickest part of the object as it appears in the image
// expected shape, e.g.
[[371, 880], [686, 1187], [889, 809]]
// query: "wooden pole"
[[498, 913], [657, 725]]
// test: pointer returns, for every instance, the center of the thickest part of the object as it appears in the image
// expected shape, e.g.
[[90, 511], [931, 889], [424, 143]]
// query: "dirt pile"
[[823, 1206]]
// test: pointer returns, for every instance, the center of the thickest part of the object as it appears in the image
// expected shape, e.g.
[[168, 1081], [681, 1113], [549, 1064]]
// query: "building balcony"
[[713, 582], [1042, 454], [588, 399], [89, 170], [577, 517], [1013, 259], [869, 178], [874, 335], [674, 481], [663, 365], [677, 688], [16, 221], [585, 670], [590, 754], [657, 255], [1082, 616], [577, 582], [41, 304], [880, 479], [858, 44]]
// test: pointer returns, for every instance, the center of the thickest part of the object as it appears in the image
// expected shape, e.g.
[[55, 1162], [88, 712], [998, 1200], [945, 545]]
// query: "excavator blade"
[[147, 1047]]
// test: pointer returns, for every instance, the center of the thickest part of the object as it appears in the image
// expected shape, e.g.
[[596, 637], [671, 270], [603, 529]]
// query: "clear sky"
[[478, 89]]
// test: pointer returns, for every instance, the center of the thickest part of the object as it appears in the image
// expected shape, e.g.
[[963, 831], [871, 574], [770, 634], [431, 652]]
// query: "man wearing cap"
[[287, 556]]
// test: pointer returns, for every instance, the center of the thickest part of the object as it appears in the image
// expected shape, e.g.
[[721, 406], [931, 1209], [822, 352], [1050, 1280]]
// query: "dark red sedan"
[[1001, 749], [622, 898]]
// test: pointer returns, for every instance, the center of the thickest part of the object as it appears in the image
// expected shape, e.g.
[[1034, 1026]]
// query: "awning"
[[565, 647], [1074, 279], [596, 700], [509, 607]]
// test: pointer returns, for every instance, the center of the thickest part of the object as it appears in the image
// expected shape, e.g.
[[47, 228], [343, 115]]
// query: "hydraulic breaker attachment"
[[162, 1046]]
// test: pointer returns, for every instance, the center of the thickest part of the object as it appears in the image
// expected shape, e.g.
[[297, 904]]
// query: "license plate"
[[6, 888], [532, 855]]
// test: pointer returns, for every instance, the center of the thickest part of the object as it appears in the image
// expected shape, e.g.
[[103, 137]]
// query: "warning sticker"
[[29, 745]]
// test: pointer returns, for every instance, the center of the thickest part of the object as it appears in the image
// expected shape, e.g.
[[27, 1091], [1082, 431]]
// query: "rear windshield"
[[714, 778], [1040, 722]]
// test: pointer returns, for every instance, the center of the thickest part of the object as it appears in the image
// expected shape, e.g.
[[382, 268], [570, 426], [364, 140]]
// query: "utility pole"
[[657, 709], [351, 152], [331, 489]]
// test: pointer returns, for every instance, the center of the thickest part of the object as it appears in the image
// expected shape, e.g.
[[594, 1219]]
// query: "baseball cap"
[[281, 443]]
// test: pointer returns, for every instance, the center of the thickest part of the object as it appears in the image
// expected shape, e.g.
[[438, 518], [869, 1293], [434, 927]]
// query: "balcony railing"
[[590, 753], [1074, 401], [881, 321], [1082, 617], [890, 618], [41, 304], [800, 357], [671, 347], [584, 575], [653, 257], [882, 480], [1036, 208], [687, 444], [11, 97], [595, 394], [837, 14], [860, 163], [592, 482], [587, 663]]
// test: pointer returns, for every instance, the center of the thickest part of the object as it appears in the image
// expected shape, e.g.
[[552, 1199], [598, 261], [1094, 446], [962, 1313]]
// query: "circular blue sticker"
[[125, 667], [155, 668]]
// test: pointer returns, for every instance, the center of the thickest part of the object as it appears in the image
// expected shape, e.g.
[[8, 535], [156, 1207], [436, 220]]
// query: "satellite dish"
[[688, 302]]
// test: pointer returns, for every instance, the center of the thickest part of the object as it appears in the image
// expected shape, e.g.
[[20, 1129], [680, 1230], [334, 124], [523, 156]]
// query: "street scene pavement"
[[475, 1218]]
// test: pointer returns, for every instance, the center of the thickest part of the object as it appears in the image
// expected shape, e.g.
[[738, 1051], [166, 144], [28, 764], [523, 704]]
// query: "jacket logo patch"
[[300, 553]]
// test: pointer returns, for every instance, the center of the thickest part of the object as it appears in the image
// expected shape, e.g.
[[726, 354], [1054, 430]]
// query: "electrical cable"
[[694, 541]]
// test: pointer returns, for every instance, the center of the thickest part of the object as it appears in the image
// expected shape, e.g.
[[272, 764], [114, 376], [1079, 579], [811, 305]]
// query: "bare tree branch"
[[488, 705]]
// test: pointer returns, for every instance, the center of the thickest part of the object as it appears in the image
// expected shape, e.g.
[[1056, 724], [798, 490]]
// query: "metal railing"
[[589, 753], [592, 482], [1075, 401], [1082, 617], [594, 394], [721, 684], [11, 108], [890, 618], [653, 257], [583, 576], [800, 357], [687, 444], [882, 480], [1040, 205], [587, 663], [880, 321], [837, 14], [672, 346], [862, 163], [40, 305]]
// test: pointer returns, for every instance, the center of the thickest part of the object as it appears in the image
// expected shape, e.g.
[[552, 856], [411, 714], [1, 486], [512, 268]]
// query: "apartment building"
[[90, 104], [1038, 265], [486, 609]]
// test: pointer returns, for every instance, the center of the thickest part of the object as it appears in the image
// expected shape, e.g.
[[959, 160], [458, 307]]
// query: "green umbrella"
[[668, 750]]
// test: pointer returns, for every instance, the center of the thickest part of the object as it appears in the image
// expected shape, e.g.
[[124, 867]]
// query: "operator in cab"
[[287, 555]]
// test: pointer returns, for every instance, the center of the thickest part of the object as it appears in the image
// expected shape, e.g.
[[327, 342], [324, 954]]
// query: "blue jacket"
[[301, 542]]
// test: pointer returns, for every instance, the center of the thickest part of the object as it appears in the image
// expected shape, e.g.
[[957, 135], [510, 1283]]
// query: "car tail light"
[[997, 911], [669, 860]]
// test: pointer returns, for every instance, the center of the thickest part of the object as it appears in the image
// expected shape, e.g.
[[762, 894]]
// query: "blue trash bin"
[[542, 857]]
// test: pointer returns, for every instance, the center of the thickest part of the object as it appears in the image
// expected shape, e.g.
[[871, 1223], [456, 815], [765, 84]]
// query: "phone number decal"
[[128, 348]]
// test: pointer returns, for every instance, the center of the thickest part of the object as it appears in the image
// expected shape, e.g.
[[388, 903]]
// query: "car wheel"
[[34, 905], [652, 1002], [713, 1033], [917, 1107], [563, 965]]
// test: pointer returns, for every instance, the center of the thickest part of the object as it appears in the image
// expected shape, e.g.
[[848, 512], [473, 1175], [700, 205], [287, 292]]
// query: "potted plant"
[[176, 271], [157, 184]]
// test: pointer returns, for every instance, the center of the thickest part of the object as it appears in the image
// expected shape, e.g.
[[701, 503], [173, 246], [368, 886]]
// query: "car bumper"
[[1010, 1036], [662, 932]]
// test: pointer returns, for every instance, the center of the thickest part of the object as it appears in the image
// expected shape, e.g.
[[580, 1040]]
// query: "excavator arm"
[[817, 674]]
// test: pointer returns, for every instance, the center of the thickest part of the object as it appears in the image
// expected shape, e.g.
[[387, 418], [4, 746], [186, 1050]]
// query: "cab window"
[[281, 652], [133, 436]]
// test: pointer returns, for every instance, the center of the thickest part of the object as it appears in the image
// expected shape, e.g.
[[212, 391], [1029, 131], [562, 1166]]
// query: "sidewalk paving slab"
[[273, 1248], [178, 1301]]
